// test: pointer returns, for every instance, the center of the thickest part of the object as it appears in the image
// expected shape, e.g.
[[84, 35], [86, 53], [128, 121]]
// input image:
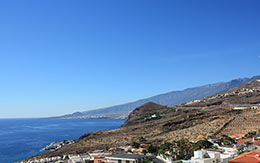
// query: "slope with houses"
[[218, 128]]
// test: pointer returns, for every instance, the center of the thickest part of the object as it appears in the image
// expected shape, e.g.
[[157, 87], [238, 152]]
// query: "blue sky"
[[61, 56]]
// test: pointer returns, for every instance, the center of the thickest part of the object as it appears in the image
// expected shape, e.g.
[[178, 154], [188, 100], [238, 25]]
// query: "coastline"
[[25, 137]]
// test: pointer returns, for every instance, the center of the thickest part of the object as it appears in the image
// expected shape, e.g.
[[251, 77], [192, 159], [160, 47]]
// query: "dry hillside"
[[211, 116]]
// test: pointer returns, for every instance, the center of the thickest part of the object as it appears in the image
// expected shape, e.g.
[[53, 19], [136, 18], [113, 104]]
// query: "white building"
[[80, 158], [203, 156], [166, 159]]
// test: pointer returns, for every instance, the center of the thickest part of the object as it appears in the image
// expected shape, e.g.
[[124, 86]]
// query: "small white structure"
[[165, 158], [80, 158], [254, 107], [154, 116], [203, 156], [75, 159], [240, 108], [126, 148]]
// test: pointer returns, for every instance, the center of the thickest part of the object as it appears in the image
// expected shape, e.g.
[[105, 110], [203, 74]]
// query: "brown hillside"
[[211, 116]]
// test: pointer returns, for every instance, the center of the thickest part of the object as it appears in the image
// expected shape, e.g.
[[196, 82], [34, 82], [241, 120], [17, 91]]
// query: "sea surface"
[[22, 138]]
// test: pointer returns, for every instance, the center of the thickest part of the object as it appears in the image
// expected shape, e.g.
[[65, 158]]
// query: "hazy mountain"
[[169, 99]]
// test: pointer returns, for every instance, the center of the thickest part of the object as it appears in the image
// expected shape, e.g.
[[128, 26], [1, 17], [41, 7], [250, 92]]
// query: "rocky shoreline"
[[57, 145]]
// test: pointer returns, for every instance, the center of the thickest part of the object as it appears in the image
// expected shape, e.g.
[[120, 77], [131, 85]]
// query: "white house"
[[203, 156]]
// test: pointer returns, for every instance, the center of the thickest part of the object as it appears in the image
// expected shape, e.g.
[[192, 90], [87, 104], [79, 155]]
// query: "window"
[[119, 161], [127, 161]]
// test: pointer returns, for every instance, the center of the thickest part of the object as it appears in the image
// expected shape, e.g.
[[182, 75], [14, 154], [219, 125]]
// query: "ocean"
[[22, 138]]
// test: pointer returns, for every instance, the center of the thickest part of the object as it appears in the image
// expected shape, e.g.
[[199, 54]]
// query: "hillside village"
[[227, 149], [236, 92], [216, 129]]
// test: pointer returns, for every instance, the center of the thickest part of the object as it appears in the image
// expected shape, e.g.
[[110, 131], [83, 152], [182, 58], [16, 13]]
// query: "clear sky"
[[62, 56]]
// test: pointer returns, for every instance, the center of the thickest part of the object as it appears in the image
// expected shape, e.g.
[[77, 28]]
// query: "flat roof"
[[127, 156]]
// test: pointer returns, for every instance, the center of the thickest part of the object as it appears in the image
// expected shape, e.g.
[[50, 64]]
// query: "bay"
[[22, 138]]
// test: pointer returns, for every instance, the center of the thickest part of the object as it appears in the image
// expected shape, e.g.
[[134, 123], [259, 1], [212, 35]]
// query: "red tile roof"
[[250, 157], [241, 141], [237, 136], [256, 142]]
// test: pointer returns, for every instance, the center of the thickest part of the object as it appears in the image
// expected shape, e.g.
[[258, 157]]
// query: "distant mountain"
[[168, 99]]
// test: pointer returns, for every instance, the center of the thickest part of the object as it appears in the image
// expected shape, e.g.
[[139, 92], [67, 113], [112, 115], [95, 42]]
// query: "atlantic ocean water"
[[22, 138]]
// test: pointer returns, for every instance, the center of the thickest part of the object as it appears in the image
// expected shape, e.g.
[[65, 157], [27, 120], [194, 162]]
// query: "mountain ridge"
[[171, 98]]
